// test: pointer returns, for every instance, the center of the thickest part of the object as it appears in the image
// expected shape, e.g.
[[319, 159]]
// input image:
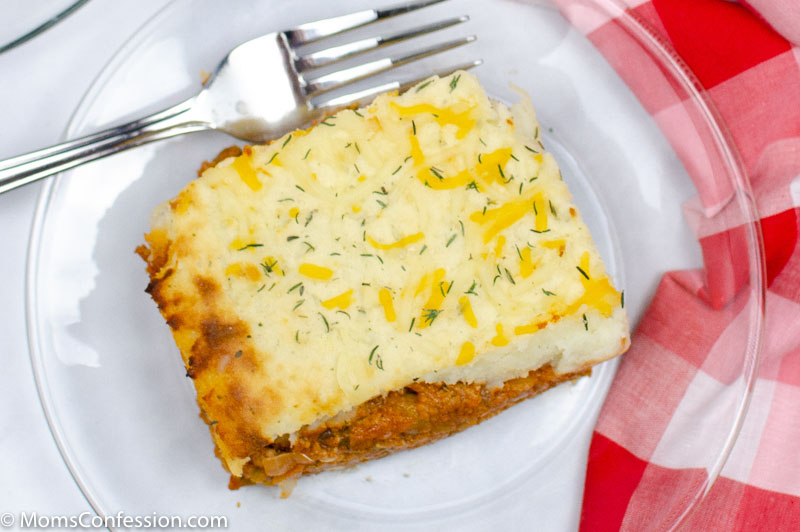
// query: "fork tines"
[[315, 31]]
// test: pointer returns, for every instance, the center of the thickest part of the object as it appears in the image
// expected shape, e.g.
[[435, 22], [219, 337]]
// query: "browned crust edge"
[[416, 415]]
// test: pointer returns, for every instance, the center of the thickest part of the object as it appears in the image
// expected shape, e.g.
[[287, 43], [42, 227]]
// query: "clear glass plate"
[[23, 20], [110, 377]]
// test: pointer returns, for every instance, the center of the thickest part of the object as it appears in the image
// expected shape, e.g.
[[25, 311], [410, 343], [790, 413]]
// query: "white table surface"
[[41, 83]]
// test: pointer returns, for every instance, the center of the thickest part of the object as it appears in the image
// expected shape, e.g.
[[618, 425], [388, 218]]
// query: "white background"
[[41, 83]]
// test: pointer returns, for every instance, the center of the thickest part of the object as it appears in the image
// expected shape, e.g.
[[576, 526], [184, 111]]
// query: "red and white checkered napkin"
[[675, 394]]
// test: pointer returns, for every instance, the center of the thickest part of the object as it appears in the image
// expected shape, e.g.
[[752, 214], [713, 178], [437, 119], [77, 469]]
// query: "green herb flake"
[[414, 127], [263, 286], [480, 139], [462, 227], [419, 88], [292, 289], [267, 267], [424, 247], [585, 322], [412, 324], [325, 321], [299, 304], [622, 299], [473, 185], [450, 241], [435, 171], [454, 82], [309, 246], [357, 113], [430, 315], [398, 169], [285, 142], [273, 157], [552, 209], [306, 155], [238, 354], [472, 289], [548, 292], [510, 278], [290, 238], [382, 204], [248, 246], [582, 272], [298, 187], [514, 157], [326, 123], [531, 149], [357, 148]]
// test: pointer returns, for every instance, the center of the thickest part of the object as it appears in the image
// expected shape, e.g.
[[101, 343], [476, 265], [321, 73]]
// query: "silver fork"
[[255, 104]]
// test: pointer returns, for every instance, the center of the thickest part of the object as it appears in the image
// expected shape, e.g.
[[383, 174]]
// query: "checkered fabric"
[[676, 392]]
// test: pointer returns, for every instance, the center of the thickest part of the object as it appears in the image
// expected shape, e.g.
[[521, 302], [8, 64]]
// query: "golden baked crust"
[[310, 294]]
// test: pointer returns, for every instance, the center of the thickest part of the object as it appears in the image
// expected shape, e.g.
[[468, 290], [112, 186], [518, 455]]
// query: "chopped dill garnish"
[[454, 82], [285, 142], [250, 246], [297, 336], [348, 144], [267, 267], [309, 218], [435, 171], [382, 191], [535, 210], [520, 188], [367, 255], [309, 246], [398, 169], [540, 232], [472, 289], [552, 209], [379, 258], [531, 149], [407, 159], [514, 157], [424, 247], [382, 204], [325, 122], [585, 322], [366, 284], [536, 133], [356, 167], [414, 126], [534, 178], [299, 303], [450, 241], [345, 313], [548, 292], [298, 187], [335, 254], [500, 169], [263, 286], [510, 278], [357, 148], [480, 161], [285, 199], [290, 238], [238, 354], [462, 227], [306, 155], [357, 113], [449, 287], [519, 254], [298, 285], [412, 324], [480, 139], [582, 272], [372, 354], [431, 314], [473, 185], [622, 299], [424, 85], [325, 321]]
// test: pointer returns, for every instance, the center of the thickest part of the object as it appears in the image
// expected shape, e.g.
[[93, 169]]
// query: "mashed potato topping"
[[427, 237]]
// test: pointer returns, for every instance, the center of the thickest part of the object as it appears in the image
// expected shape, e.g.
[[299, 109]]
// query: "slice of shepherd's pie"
[[391, 276]]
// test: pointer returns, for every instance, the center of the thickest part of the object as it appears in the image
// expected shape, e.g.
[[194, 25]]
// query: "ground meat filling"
[[418, 414]]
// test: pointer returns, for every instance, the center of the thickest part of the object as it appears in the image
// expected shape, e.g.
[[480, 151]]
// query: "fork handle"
[[23, 169]]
